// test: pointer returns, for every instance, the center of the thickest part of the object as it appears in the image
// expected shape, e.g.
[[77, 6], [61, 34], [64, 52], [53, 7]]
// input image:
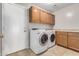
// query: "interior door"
[[13, 29]]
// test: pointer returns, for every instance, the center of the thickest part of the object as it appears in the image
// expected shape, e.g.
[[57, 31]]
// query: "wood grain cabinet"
[[73, 40], [37, 15], [34, 15], [68, 39], [44, 17], [51, 19], [47, 18], [61, 38]]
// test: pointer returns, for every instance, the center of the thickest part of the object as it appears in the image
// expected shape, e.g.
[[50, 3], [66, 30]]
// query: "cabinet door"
[[61, 38], [73, 41], [51, 19], [47, 18], [35, 15], [44, 17]]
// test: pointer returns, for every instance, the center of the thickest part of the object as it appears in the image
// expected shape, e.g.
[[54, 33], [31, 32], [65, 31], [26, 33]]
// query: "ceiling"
[[51, 7]]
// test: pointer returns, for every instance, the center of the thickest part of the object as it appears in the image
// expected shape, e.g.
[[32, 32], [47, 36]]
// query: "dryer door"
[[43, 39], [52, 38]]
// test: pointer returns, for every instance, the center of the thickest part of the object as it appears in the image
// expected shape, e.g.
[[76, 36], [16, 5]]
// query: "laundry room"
[[39, 29]]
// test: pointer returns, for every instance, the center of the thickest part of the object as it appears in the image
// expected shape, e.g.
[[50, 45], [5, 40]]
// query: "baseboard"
[[17, 51]]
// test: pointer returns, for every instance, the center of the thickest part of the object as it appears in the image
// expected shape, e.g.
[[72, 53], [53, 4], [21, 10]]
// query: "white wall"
[[0, 26], [0, 17], [67, 18], [14, 23], [40, 26]]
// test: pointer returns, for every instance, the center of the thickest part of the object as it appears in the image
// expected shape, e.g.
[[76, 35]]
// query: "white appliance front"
[[51, 40], [37, 44]]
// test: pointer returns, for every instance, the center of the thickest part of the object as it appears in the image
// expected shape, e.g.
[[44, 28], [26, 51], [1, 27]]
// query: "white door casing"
[[0, 29]]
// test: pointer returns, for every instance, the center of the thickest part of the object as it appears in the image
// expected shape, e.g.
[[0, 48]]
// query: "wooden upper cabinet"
[[73, 40], [40, 16], [44, 17], [51, 19], [34, 15], [61, 38], [47, 18]]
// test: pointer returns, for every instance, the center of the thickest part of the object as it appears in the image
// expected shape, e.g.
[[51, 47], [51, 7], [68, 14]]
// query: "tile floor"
[[60, 51], [54, 51]]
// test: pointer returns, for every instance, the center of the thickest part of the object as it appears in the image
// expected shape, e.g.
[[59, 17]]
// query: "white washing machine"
[[51, 36], [38, 41]]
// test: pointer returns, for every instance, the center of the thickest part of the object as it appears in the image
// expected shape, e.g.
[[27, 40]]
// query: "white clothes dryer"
[[38, 41], [51, 36]]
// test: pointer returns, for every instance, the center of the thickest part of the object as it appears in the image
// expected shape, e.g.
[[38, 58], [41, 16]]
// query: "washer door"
[[43, 39], [52, 38]]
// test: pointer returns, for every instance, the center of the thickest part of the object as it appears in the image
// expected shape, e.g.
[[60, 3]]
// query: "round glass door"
[[52, 38], [44, 39]]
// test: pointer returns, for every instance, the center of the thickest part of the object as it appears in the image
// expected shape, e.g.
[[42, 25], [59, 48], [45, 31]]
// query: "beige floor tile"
[[25, 52], [60, 51], [54, 51], [71, 53]]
